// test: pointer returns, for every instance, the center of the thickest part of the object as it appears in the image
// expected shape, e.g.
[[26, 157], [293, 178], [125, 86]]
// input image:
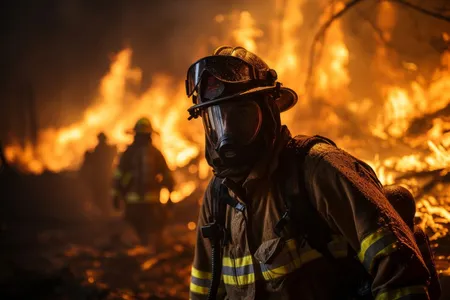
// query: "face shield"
[[232, 125]]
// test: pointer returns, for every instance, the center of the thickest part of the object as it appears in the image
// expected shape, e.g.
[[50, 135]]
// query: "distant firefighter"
[[97, 170], [141, 174]]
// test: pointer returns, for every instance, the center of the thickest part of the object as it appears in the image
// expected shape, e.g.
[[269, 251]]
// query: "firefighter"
[[97, 170], [282, 216], [141, 174]]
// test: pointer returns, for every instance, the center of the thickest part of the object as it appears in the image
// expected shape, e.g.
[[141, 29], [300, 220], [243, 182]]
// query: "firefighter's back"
[[143, 210]]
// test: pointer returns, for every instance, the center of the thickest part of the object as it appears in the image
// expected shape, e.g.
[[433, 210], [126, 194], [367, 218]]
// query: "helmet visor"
[[225, 68], [239, 122]]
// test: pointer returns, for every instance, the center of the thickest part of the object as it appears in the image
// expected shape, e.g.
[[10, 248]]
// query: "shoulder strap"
[[220, 203], [216, 226], [216, 232], [307, 221]]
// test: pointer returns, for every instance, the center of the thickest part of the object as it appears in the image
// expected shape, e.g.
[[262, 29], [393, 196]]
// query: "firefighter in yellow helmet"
[[288, 217], [141, 174]]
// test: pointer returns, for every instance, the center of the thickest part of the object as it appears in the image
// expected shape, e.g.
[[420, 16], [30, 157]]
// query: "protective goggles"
[[228, 69], [239, 121]]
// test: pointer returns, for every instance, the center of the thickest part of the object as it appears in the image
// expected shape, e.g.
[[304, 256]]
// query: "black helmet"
[[240, 101], [241, 73]]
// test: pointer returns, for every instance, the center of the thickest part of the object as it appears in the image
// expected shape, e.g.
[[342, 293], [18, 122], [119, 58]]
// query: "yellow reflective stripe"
[[378, 244], [369, 241], [132, 197], [385, 252], [198, 289], [126, 179], [200, 281], [402, 293], [200, 274], [149, 197], [239, 280], [293, 261], [117, 174], [237, 262], [298, 261], [278, 272]]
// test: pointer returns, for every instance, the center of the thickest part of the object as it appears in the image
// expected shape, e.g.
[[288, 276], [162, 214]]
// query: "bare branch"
[[422, 10], [319, 37], [317, 44], [374, 27]]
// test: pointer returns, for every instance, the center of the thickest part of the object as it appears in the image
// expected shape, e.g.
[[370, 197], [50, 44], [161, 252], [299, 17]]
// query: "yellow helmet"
[[142, 126]]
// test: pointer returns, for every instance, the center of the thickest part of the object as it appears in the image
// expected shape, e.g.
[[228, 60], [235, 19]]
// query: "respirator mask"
[[229, 93], [233, 129]]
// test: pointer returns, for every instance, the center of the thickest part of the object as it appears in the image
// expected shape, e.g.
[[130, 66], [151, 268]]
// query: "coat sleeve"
[[348, 196], [201, 267]]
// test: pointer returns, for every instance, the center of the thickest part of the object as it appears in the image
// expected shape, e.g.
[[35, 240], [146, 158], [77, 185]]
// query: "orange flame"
[[64, 148], [280, 44]]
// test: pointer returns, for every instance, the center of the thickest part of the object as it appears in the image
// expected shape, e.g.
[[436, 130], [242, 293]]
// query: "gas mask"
[[233, 130], [230, 92]]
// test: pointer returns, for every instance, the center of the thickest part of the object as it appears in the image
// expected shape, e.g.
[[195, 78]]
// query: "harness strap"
[[216, 232], [308, 223]]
